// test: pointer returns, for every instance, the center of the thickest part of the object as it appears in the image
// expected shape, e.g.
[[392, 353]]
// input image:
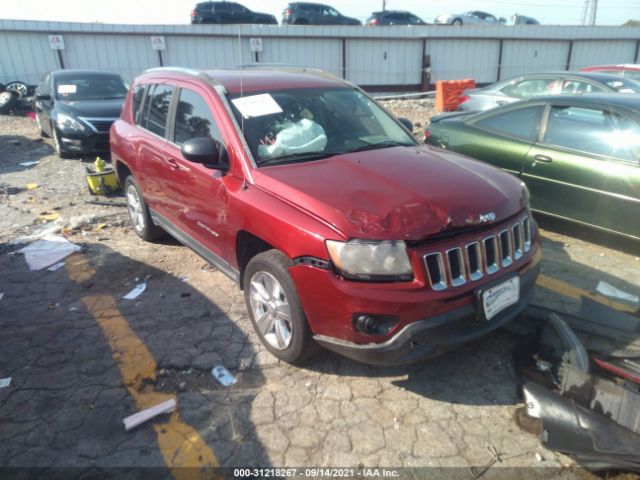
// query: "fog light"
[[373, 324]]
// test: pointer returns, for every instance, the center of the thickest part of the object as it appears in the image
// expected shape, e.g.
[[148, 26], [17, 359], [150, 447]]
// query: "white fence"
[[379, 58]]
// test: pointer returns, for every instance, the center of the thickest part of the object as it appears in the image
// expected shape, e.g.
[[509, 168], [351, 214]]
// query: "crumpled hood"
[[397, 193], [92, 108]]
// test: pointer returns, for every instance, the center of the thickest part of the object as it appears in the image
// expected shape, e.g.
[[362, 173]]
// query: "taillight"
[[373, 21], [287, 12], [463, 99], [194, 13], [427, 134]]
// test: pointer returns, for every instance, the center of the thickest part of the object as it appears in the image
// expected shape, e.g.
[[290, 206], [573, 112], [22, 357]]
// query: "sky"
[[566, 12]]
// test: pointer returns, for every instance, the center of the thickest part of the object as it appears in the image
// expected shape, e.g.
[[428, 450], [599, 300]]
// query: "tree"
[[631, 23]]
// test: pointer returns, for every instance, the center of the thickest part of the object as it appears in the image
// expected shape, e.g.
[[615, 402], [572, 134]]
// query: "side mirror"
[[408, 124], [207, 151], [43, 96]]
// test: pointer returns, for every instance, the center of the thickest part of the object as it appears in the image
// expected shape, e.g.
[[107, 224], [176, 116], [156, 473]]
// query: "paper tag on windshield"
[[257, 105], [66, 89]]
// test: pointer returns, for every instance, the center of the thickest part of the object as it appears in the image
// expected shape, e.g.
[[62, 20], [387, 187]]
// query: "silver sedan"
[[467, 18], [532, 85]]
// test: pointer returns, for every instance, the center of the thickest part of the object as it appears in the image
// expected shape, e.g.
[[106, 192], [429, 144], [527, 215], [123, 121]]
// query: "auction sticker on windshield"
[[66, 89], [257, 105], [496, 299]]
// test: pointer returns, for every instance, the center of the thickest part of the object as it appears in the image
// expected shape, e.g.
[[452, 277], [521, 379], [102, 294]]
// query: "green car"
[[579, 155]]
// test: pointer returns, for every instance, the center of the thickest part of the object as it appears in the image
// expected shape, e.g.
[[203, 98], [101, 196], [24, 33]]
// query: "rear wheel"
[[275, 309], [139, 212], [457, 21]]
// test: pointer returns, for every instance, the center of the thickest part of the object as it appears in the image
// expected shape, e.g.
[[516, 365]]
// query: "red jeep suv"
[[339, 226]]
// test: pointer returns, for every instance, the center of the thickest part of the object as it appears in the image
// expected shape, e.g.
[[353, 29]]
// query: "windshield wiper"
[[385, 144], [296, 157]]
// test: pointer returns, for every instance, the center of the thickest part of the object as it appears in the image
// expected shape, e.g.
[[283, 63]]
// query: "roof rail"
[[188, 71], [288, 67]]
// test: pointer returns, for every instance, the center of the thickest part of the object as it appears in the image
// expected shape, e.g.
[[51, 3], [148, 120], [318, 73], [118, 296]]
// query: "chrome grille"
[[456, 266]]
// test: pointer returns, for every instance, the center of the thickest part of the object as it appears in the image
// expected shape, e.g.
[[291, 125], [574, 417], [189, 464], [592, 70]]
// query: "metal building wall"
[[383, 58], [458, 59], [529, 56]]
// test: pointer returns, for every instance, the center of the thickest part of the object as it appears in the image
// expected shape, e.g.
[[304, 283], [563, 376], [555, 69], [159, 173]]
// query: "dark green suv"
[[579, 155]]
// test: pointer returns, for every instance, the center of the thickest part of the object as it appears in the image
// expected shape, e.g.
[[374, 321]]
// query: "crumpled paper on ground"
[[48, 251]]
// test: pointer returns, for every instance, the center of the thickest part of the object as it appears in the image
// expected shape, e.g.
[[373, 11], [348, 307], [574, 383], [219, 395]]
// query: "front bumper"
[[84, 143], [433, 336]]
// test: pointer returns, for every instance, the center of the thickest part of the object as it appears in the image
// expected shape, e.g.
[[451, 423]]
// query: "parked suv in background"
[[393, 17], [340, 228], [228, 13], [303, 13], [76, 109]]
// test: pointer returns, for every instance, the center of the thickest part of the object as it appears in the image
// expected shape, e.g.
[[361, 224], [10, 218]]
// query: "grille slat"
[[459, 265]]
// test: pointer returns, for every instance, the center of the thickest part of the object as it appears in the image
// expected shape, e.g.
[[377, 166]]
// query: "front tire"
[[57, 143], [275, 309], [457, 21], [139, 212]]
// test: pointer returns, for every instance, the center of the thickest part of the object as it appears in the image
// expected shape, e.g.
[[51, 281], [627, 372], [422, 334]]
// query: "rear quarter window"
[[520, 123], [136, 103]]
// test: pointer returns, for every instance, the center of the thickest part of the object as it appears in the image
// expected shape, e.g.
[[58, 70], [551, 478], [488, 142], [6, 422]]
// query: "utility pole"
[[590, 12], [384, 5], [594, 12]]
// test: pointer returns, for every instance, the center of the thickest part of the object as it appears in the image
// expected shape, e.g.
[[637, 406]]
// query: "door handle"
[[173, 165], [543, 158]]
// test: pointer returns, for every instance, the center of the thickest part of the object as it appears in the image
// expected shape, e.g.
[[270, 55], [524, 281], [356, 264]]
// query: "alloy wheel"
[[271, 310], [135, 209]]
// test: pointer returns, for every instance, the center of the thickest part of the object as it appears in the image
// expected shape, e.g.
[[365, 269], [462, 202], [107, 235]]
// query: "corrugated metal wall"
[[384, 58]]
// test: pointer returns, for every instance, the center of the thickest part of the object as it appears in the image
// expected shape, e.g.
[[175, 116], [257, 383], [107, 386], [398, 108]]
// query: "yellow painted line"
[[572, 291], [180, 444]]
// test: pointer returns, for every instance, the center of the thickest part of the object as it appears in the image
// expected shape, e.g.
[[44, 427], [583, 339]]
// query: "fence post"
[[499, 72], [425, 78]]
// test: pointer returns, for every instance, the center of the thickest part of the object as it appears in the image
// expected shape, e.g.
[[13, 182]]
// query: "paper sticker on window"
[[67, 89], [257, 105]]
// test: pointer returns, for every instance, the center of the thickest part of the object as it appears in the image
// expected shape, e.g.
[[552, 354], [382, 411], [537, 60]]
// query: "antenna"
[[241, 73]]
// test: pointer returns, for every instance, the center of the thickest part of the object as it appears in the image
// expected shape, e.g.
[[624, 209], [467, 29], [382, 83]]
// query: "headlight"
[[65, 122], [363, 260]]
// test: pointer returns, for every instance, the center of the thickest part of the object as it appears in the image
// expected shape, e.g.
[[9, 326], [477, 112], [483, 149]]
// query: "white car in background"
[[474, 17]]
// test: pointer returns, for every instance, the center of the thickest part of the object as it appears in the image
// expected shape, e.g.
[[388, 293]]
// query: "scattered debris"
[[31, 186], [184, 278], [108, 204], [495, 457], [586, 398], [138, 418], [49, 216], [5, 382], [28, 164], [43, 231], [223, 376], [73, 309], [135, 293], [57, 266], [1, 295], [185, 294], [610, 291], [48, 251], [539, 458]]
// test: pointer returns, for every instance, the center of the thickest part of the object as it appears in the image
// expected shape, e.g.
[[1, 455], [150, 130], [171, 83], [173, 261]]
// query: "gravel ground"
[[418, 111], [51, 193]]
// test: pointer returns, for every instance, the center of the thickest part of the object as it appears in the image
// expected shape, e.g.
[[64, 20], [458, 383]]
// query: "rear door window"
[[594, 130], [136, 103], [520, 123], [159, 102], [193, 118], [578, 86]]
